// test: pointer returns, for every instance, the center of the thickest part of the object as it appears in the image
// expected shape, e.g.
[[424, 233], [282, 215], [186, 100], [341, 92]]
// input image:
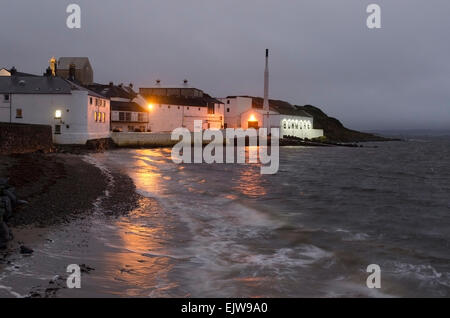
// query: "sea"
[[225, 230]]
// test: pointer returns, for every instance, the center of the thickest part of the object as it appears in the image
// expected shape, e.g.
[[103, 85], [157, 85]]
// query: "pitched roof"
[[77, 87], [182, 101], [127, 106], [281, 107], [33, 85], [13, 72], [113, 91], [80, 62]]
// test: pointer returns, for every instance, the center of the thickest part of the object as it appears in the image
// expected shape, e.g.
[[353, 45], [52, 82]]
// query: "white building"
[[247, 112], [251, 112], [129, 110], [171, 107], [75, 113]]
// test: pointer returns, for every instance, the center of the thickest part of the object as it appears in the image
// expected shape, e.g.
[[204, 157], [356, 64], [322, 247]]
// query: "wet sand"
[[59, 189]]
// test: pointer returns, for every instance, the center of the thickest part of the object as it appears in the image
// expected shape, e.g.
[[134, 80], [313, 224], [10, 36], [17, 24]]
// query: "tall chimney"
[[72, 71], [266, 83]]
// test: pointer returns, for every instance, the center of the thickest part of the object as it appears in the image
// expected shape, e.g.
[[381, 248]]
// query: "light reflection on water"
[[228, 231], [297, 233]]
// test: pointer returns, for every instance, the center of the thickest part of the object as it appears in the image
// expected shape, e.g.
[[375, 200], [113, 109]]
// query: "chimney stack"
[[266, 83], [72, 70]]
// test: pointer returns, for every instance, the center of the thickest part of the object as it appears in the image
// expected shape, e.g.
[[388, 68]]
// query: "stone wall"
[[21, 138]]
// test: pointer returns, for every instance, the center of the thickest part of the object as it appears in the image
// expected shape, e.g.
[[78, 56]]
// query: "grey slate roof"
[[113, 91], [78, 87], [278, 106], [182, 101], [127, 106], [18, 73], [33, 85]]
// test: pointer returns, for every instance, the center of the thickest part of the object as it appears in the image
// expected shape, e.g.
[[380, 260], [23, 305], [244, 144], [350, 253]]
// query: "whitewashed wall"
[[236, 107], [77, 115], [165, 118]]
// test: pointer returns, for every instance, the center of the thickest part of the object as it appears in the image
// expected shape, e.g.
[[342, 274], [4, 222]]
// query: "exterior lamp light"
[[150, 106], [58, 114], [252, 118]]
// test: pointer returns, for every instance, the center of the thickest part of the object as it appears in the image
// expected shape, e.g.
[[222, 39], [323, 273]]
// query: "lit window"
[[18, 113], [58, 114], [95, 116]]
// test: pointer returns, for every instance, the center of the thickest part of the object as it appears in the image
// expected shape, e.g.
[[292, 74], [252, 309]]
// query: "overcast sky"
[[321, 51]]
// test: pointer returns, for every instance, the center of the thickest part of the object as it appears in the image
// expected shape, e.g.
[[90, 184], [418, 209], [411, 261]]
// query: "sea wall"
[[139, 139], [22, 138]]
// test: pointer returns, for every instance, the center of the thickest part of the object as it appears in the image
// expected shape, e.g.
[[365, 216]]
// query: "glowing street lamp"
[[150, 106], [252, 118], [58, 114]]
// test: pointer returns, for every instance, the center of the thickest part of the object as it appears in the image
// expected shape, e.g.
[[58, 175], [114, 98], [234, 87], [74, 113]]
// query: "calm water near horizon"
[[228, 231]]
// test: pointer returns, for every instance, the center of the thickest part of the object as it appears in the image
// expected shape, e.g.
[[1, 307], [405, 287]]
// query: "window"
[[140, 117], [90, 100], [95, 116], [188, 108], [228, 110], [199, 109], [19, 113], [128, 116], [103, 117], [6, 98], [228, 101], [121, 116], [168, 106], [57, 129], [178, 107]]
